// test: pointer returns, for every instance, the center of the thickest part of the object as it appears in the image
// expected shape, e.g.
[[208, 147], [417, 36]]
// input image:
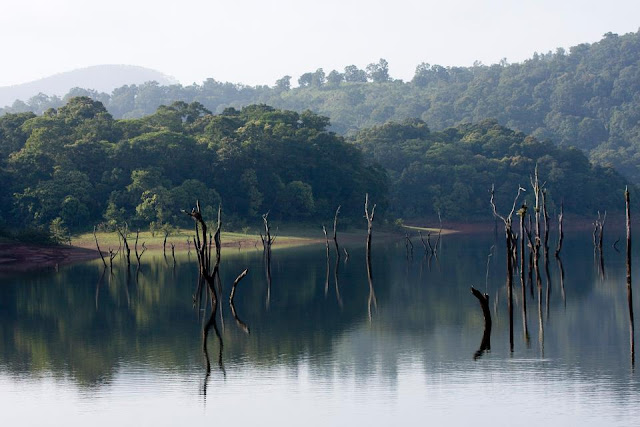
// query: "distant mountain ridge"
[[102, 78]]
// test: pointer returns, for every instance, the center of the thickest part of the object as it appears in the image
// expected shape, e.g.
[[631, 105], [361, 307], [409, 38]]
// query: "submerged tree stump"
[[485, 344]]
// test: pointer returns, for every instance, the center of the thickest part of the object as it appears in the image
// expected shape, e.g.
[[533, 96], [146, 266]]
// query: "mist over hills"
[[101, 78]]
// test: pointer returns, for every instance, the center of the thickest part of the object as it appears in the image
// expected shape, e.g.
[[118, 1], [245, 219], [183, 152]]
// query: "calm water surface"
[[76, 347]]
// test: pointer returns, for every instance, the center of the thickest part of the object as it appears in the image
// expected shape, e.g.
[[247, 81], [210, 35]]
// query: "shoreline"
[[16, 257], [23, 257]]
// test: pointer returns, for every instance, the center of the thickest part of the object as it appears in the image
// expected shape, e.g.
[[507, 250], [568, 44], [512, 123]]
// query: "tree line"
[[77, 166], [586, 97]]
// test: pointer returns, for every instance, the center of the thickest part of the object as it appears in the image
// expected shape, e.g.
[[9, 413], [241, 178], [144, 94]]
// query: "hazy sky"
[[259, 41]]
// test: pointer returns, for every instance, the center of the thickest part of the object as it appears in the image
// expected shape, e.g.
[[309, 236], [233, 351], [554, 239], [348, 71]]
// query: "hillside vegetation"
[[76, 166], [587, 97], [452, 171]]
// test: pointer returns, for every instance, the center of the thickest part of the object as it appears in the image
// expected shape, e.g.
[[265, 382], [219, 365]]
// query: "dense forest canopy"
[[76, 166], [452, 171], [588, 97]]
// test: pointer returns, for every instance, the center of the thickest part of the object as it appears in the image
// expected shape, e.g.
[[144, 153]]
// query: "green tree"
[[353, 74], [378, 72]]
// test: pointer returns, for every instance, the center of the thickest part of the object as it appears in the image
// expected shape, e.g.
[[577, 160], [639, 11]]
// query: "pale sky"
[[259, 41]]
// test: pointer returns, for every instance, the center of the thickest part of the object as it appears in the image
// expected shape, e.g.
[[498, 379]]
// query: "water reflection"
[[91, 330]]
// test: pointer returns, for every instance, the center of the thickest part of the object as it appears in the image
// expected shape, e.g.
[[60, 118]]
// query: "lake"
[[81, 347]]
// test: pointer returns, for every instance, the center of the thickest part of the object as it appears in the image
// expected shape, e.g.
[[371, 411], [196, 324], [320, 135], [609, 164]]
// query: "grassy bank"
[[180, 237]]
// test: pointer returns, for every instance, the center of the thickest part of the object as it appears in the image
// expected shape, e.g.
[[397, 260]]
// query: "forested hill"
[[588, 97], [77, 166], [451, 171]]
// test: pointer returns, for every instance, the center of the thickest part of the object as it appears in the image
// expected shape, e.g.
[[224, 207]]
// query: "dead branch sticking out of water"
[[211, 277], [335, 232], [243, 326], [547, 225], [561, 269], [326, 282], [123, 235], [235, 283], [164, 243], [629, 290], [267, 241], [485, 344], [535, 245], [437, 246], [112, 255], [598, 238], [560, 231], [369, 216], [522, 212], [98, 246], [509, 254], [144, 249]]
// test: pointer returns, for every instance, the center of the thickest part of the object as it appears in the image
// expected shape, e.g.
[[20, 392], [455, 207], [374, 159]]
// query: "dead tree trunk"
[[530, 263], [537, 189], [335, 232], [523, 284], [598, 238], [561, 269], [218, 243], [601, 237], [123, 234], [437, 246], [509, 253], [201, 248], [547, 223], [164, 243], [485, 344], [545, 215], [112, 255], [369, 217], [144, 248], [98, 246], [629, 290], [560, 231], [267, 241], [326, 282], [211, 277]]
